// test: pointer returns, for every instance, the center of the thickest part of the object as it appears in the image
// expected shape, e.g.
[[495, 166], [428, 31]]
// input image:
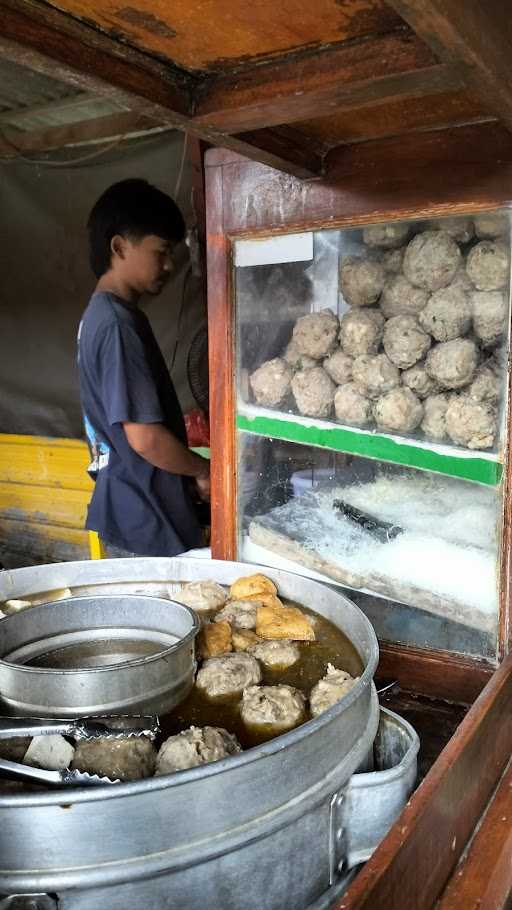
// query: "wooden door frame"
[[454, 172]]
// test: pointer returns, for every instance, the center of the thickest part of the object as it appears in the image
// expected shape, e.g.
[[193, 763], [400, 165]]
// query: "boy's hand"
[[203, 487]]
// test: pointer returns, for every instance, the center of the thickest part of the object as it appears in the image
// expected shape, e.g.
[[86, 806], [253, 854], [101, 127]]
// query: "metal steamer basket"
[[97, 654], [270, 821]]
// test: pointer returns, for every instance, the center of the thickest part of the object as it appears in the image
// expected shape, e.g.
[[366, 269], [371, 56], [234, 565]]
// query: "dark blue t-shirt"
[[123, 377]]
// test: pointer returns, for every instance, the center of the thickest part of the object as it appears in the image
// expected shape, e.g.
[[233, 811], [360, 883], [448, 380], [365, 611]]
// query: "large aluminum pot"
[[261, 828]]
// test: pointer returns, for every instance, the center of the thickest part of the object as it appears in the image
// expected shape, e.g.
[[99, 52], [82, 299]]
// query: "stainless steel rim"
[[189, 637]]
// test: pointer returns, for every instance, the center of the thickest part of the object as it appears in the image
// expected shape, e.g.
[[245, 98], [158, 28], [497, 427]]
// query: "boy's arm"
[[156, 444]]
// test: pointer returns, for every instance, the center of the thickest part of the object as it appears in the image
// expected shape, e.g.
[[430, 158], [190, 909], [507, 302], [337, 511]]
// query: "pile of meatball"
[[242, 631], [420, 348]]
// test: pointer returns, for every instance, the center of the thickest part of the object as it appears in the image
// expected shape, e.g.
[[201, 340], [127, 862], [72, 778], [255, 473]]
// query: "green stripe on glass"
[[374, 446]]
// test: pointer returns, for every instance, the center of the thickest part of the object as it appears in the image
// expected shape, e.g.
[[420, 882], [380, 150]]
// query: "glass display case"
[[371, 413]]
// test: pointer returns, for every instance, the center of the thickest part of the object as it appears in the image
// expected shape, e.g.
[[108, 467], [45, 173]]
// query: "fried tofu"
[[242, 588], [283, 622], [214, 638], [244, 638], [268, 600]]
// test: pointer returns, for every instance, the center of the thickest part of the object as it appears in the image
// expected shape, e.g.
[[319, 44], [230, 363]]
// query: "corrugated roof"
[[22, 88], [30, 101]]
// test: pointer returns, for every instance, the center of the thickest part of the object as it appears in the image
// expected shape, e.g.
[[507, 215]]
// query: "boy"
[[146, 477]]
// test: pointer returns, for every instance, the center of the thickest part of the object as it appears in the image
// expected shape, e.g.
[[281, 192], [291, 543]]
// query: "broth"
[[331, 646]]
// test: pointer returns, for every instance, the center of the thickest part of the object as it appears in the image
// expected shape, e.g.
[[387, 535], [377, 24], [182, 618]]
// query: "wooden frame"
[[413, 864], [453, 172]]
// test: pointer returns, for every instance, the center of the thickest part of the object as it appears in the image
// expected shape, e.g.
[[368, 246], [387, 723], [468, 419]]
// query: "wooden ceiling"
[[211, 35], [281, 81]]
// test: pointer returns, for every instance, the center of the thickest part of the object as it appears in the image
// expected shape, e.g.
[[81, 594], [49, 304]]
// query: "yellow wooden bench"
[[44, 493]]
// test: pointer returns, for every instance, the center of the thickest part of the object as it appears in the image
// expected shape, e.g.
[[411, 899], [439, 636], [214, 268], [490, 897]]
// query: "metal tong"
[[107, 727]]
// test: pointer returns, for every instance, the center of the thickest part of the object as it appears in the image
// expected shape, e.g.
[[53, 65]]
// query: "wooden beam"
[[342, 78], [473, 34], [14, 142], [412, 865], [428, 673], [483, 880], [47, 41]]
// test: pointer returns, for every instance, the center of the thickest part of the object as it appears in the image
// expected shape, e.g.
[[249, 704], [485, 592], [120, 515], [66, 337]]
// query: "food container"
[[97, 654], [268, 821]]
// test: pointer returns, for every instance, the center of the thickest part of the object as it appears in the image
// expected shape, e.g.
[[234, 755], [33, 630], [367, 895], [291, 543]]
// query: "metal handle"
[[34, 726], [337, 846], [17, 771], [28, 902]]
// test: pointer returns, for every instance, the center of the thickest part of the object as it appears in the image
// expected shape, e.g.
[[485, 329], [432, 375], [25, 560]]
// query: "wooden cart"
[[415, 177], [346, 112]]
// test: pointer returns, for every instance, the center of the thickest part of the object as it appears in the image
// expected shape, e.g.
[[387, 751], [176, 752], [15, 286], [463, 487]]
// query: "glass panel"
[[421, 550], [375, 360], [388, 332]]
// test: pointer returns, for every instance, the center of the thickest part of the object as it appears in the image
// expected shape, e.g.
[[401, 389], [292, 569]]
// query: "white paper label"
[[273, 250]]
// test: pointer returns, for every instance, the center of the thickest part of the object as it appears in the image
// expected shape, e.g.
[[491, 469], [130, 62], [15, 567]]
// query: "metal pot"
[[141, 659], [266, 822]]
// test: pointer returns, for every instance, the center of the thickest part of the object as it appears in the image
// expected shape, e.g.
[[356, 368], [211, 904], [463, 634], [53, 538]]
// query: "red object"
[[198, 429]]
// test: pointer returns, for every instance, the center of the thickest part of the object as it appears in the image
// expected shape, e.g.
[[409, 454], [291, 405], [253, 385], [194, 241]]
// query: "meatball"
[[418, 381], [240, 614], [277, 654], [462, 280], [193, 747], [431, 260], [339, 367], [392, 261], [491, 225], [404, 341], [488, 265], [490, 312], [447, 315], [296, 360], [228, 674], [385, 236], [200, 595], [453, 363], [434, 420], [471, 423], [401, 298], [331, 688], [271, 382], [313, 391], [398, 411], [361, 281], [374, 374], [486, 385], [315, 334], [14, 748], [119, 759], [460, 229], [361, 331], [275, 708], [351, 407]]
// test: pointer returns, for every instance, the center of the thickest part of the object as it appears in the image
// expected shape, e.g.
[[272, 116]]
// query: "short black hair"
[[135, 209]]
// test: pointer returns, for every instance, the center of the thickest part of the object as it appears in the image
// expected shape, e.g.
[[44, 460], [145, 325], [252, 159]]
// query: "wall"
[[46, 281], [44, 286]]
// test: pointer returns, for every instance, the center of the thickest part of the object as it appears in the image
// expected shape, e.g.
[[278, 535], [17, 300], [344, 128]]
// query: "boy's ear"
[[117, 246]]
